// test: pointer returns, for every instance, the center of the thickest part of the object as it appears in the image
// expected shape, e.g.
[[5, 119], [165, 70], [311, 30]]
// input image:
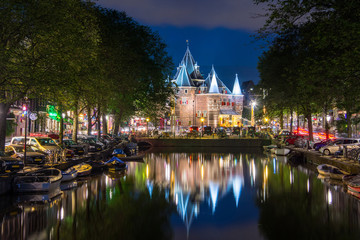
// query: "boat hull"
[[69, 176], [331, 171], [282, 151], [44, 180], [27, 187]]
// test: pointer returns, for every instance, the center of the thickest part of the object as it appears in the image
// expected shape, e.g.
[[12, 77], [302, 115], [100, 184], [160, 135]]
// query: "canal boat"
[[269, 147], [83, 169], [352, 182], [69, 174], [97, 166], [331, 171], [43, 180], [280, 151], [118, 152], [115, 164]]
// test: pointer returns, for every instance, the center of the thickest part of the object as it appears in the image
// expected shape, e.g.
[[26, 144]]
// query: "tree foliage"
[[79, 56], [325, 60]]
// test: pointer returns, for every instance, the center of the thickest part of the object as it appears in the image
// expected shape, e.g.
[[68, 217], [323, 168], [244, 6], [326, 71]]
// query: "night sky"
[[219, 32]]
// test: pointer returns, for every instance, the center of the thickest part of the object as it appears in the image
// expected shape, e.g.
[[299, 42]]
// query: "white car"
[[338, 144]]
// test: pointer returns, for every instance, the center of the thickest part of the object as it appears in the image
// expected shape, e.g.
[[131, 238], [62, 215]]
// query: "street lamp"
[[147, 126], [202, 126], [253, 104], [25, 112]]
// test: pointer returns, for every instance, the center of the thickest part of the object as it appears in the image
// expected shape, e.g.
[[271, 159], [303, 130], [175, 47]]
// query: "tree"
[[42, 43], [328, 39], [134, 66]]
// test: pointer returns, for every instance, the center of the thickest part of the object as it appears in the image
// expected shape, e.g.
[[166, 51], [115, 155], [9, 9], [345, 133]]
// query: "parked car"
[[194, 129], [11, 163], [89, 144], [33, 155], [236, 130], [221, 133], [207, 130], [293, 138], [337, 145], [78, 149], [44, 144], [322, 143]]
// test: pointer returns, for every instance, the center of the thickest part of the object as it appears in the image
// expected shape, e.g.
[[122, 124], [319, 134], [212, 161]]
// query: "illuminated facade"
[[208, 99]]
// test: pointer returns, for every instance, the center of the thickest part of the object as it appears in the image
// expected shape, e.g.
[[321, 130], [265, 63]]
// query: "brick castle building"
[[204, 101]]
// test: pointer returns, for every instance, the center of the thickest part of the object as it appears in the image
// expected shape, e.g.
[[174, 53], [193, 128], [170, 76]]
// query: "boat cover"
[[115, 159], [118, 151]]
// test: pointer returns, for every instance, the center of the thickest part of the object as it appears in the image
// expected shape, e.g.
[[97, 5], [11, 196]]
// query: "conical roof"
[[221, 86], [183, 78], [236, 89], [214, 88], [188, 61]]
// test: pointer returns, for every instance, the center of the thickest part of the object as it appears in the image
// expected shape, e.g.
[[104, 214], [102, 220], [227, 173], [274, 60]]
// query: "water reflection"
[[255, 195]]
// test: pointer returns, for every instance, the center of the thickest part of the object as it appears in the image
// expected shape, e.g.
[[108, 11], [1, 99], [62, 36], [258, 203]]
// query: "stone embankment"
[[316, 158], [198, 142]]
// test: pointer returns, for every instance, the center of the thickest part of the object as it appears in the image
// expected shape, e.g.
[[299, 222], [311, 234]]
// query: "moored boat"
[[44, 180], [69, 174], [118, 152], [352, 182], [97, 166], [83, 169], [269, 147], [115, 164], [281, 151], [331, 171]]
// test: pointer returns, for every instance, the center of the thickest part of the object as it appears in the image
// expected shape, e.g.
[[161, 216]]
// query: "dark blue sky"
[[219, 32]]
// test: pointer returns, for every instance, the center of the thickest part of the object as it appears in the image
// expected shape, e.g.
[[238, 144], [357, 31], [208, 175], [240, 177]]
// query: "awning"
[[229, 112]]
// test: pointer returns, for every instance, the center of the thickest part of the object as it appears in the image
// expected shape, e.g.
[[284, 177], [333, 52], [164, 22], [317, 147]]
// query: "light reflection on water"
[[190, 195]]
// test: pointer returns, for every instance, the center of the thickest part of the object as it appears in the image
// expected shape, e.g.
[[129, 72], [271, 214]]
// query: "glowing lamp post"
[[253, 104], [147, 126], [202, 126], [25, 113]]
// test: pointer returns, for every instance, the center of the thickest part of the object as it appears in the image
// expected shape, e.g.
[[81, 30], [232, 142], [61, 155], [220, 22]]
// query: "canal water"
[[177, 194]]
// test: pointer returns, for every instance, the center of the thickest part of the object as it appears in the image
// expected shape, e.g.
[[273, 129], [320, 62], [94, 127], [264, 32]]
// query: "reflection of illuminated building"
[[191, 178]]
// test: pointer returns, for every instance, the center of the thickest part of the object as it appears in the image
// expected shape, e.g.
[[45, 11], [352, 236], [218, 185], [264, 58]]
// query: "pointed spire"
[[183, 79], [188, 60], [214, 88], [236, 89]]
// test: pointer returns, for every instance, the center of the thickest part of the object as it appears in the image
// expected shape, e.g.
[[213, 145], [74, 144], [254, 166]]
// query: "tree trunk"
[[4, 108], [104, 124], [348, 122], [76, 123], [281, 119], [291, 120], [98, 126], [117, 124], [88, 110], [309, 120], [326, 122], [298, 120], [61, 132]]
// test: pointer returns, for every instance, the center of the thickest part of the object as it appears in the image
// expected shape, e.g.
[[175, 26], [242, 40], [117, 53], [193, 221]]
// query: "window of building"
[[185, 90]]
